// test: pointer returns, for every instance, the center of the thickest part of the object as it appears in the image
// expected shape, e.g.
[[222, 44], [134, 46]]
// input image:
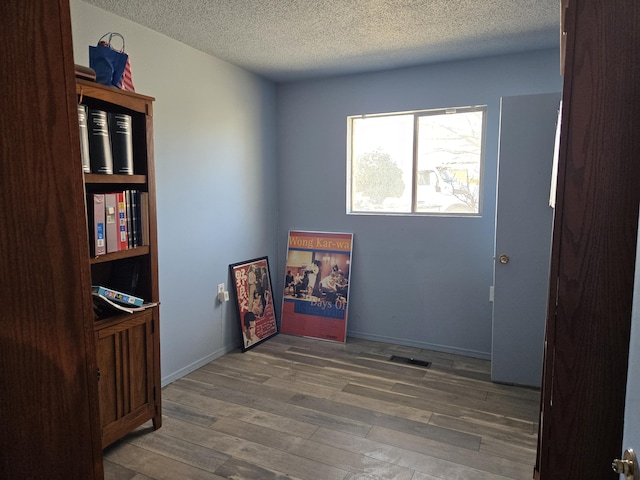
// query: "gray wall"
[[216, 179], [225, 194], [421, 281]]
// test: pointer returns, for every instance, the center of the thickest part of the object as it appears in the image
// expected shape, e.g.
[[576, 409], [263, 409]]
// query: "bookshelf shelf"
[[127, 345], [116, 320], [96, 178], [129, 253]]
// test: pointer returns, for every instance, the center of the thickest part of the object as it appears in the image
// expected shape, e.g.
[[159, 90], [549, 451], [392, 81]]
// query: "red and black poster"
[[254, 304], [316, 285]]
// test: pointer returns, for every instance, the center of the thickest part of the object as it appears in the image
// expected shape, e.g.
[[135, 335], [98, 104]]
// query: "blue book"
[[114, 295]]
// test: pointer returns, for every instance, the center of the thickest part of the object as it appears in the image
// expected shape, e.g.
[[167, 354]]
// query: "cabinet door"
[[125, 362]]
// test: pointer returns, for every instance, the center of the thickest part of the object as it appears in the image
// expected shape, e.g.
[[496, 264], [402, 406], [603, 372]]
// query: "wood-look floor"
[[297, 408]]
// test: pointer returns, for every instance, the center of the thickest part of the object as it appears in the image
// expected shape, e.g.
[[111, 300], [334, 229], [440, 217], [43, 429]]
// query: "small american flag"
[[126, 82]]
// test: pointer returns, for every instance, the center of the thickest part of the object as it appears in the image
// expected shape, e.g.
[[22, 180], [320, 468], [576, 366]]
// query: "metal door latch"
[[628, 466]]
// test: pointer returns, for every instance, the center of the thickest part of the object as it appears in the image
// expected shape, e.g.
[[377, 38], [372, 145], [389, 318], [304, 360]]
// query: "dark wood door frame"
[[49, 423], [594, 243]]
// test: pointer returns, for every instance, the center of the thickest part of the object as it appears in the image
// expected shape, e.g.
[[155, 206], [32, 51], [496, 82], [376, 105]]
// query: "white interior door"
[[632, 402], [524, 221]]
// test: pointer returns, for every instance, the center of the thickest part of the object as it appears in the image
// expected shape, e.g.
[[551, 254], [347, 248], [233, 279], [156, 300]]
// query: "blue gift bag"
[[108, 63]]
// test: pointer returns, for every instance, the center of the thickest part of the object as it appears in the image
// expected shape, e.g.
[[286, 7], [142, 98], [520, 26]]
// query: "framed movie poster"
[[254, 301], [316, 285]]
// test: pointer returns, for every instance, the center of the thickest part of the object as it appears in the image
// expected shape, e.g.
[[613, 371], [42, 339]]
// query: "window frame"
[[417, 114]]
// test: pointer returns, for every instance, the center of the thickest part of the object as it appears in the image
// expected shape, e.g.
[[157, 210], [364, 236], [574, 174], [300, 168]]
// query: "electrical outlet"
[[226, 296], [220, 287]]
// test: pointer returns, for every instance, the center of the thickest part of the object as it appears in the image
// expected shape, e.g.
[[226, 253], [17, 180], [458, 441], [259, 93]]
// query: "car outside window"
[[423, 162]]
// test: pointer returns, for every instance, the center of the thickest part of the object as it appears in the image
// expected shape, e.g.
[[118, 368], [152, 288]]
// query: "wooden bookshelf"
[[127, 345]]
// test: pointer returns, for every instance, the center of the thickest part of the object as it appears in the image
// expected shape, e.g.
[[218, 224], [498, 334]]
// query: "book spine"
[[144, 218], [124, 277], [98, 245], [111, 222], [135, 221], [127, 196], [120, 297], [99, 143], [84, 138], [121, 131], [123, 240]]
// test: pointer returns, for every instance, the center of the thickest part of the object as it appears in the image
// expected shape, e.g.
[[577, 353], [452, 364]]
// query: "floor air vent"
[[410, 361]]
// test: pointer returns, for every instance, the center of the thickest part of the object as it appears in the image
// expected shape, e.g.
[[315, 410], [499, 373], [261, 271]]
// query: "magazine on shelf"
[[107, 301], [117, 296], [105, 307]]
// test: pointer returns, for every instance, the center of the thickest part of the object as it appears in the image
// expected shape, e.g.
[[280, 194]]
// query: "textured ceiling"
[[287, 40]]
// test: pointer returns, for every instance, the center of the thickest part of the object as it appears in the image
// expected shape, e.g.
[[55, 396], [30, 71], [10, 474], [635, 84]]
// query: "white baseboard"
[[195, 365], [427, 346]]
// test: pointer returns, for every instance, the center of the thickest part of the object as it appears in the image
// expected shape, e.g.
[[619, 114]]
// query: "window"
[[425, 162]]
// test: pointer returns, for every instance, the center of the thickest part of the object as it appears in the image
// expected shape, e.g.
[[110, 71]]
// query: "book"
[[85, 73], [129, 214], [121, 134], [111, 222], [104, 307], [144, 218], [123, 240], [135, 217], [100, 155], [84, 138], [95, 209], [124, 276], [117, 296]]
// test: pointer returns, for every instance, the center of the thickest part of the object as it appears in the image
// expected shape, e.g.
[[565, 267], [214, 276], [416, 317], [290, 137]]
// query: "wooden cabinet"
[[126, 388], [127, 344]]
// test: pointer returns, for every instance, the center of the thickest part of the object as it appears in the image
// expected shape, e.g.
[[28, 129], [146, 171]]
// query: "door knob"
[[628, 466], [504, 259]]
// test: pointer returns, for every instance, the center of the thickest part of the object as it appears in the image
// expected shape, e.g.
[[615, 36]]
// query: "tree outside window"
[[424, 162]]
